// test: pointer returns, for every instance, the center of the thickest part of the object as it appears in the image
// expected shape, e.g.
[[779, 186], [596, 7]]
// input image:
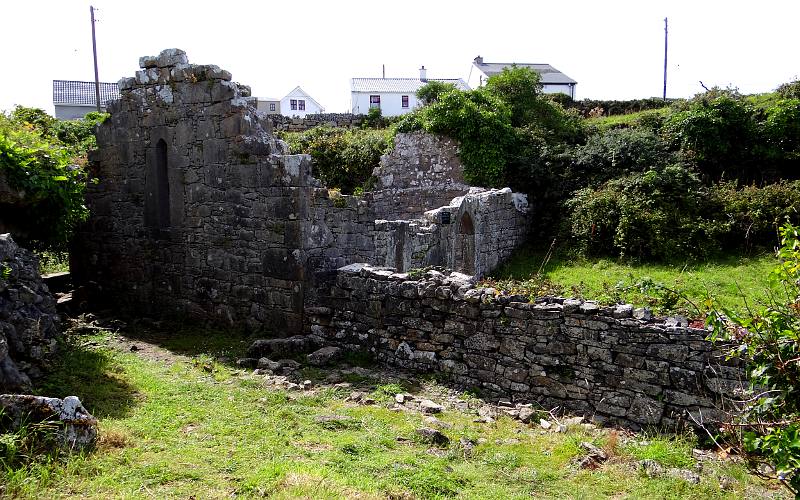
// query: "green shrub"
[[753, 214], [45, 170], [431, 91], [768, 340], [616, 153], [789, 90], [481, 123], [661, 214], [717, 132], [342, 158]]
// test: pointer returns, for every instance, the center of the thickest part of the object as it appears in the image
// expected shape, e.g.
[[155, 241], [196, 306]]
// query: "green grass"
[[603, 123], [53, 262], [729, 280], [176, 429]]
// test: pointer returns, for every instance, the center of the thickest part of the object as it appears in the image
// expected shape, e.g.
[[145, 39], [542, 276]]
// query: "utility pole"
[[94, 51], [665, 59]]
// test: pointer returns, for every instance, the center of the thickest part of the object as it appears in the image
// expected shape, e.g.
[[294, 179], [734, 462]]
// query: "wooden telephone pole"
[[665, 59], [94, 51]]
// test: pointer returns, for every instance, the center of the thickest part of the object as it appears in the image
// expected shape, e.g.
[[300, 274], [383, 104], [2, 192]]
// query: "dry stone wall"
[[297, 124], [613, 363]]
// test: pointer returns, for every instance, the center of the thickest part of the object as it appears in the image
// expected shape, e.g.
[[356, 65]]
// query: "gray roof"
[[549, 74], [74, 92], [400, 85]]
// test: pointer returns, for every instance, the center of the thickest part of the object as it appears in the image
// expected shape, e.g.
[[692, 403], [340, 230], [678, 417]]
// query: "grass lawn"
[[176, 422], [730, 280]]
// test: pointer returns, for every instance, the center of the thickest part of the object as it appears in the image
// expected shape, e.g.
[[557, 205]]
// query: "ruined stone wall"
[[421, 173], [197, 210], [570, 354], [29, 324], [472, 234], [297, 124], [200, 212]]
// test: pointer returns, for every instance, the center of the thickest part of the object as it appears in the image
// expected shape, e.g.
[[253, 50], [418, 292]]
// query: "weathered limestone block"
[[75, 428]]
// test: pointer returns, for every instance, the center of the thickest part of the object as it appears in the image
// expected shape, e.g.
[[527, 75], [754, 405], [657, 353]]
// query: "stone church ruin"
[[200, 212]]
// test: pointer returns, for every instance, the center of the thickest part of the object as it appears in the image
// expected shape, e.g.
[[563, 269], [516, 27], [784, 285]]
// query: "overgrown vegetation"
[[767, 338], [43, 159], [342, 158]]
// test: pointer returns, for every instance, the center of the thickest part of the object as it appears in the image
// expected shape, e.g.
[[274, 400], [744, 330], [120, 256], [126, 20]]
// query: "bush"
[[481, 123], [752, 215], [789, 90], [661, 214], [717, 132], [341, 158], [616, 153], [48, 172], [431, 91]]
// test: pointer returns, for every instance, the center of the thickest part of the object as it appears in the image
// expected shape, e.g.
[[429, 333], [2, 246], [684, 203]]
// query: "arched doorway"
[[464, 248]]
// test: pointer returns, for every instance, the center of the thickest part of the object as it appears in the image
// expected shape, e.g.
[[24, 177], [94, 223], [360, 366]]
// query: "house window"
[[405, 101], [374, 101], [293, 104], [301, 105], [272, 106]]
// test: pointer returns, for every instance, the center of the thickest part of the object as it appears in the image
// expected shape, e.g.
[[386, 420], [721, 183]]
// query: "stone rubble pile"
[[29, 323]]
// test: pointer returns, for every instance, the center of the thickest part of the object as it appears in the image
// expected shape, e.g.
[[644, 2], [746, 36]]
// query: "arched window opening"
[[465, 246], [162, 185]]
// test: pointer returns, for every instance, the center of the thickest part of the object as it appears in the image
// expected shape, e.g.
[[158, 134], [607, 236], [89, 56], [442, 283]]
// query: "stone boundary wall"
[[613, 363], [297, 124]]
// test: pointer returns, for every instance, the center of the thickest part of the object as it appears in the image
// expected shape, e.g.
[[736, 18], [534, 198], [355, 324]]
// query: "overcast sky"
[[614, 49]]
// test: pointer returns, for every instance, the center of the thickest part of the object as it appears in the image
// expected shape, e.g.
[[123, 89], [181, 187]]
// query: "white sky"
[[613, 48]]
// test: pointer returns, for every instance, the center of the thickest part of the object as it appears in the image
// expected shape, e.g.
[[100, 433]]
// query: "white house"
[[299, 103], [393, 96], [552, 79]]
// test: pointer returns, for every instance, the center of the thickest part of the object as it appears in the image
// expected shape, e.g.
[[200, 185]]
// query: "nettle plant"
[[768, 340]]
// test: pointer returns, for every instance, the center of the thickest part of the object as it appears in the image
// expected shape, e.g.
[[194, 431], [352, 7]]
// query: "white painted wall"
[[311, 107], [391, 103], [74, 111]]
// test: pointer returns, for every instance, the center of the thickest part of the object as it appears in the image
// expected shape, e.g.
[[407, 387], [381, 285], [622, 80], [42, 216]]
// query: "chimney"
[[479, 60], [423, 74]]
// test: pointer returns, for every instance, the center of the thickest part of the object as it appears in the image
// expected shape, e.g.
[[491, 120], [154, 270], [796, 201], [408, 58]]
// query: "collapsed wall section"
[[569, 354]]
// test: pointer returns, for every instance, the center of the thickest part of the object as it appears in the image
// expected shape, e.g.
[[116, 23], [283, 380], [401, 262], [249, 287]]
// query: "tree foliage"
[[41, 159], [341, 158]]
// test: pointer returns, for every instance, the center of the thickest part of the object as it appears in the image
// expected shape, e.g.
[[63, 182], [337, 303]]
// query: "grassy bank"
[[177, 422], [733, 281]]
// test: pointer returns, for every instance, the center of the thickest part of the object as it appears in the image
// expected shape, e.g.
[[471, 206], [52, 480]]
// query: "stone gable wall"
[[422, 172], [200, 212], [574, 355]]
